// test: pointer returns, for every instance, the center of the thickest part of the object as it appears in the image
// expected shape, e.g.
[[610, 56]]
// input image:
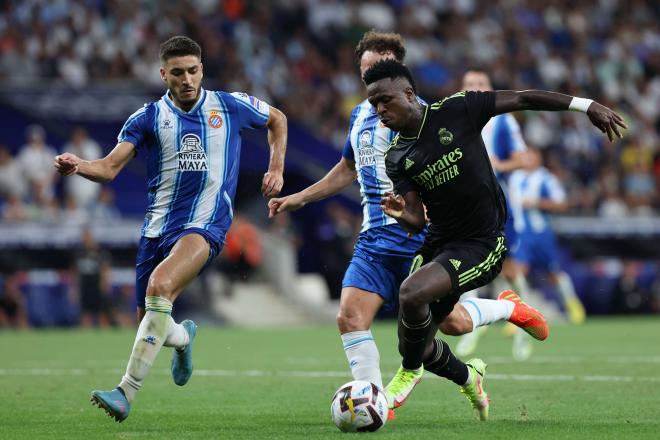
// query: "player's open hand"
[[272, 183], [606, 120], [392, 204], [66, 164], [283, 204]]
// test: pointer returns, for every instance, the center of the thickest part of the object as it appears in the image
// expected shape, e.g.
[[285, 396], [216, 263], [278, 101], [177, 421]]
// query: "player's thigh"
[[427, 284], [510, 269], [357, 309], [184, 262]]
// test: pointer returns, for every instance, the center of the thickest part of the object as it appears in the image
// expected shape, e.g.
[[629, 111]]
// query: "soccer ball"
[[359, 406]]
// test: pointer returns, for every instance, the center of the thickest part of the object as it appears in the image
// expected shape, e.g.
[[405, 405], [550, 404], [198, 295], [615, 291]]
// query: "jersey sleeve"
[[347, 152], [402, 184], [480, 107], [252, 112], [134, 129], [552, 189]]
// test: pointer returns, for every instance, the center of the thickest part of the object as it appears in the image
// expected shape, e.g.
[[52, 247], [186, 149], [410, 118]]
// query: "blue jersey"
[[534, 186], [192, 159], [502, 139]]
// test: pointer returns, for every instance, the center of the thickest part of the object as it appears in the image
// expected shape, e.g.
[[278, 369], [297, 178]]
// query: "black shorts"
[[470, 263]]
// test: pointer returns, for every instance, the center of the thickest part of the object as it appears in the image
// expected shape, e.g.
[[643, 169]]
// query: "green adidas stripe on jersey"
[[485, 265], [440, 103]]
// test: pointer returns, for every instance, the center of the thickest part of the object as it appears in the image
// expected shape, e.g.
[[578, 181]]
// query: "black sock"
[[413, 337], [443, 363]]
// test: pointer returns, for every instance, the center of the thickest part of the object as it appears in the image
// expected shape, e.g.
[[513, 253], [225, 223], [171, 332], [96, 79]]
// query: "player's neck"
[[415, 122], [185, 107]]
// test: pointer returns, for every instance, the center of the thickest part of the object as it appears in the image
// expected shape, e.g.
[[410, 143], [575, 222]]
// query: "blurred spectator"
[[36, 162], [104, 210], [336, 238], [91, 282], [12, 183], [83, 192], [12, 308], [242, 252]]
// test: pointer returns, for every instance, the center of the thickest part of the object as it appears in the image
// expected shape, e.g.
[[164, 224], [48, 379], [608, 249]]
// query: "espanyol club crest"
[[215, 120], [191, 155]]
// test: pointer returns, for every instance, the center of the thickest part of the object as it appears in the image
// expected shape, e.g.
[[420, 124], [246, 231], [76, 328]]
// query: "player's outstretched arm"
[[408, 210], [99, 170], [605, 119], [273, 180], [338, 178]]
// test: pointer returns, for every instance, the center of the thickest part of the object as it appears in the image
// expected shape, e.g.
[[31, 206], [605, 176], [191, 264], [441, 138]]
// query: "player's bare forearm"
[[603, 118], [277, 138], [552, 206], [511, 100], [100, 170], [337, 179]]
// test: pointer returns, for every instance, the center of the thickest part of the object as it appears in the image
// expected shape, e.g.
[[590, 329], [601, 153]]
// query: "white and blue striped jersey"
[[502, 139], [539, 184], [368, 140], [192, 159]]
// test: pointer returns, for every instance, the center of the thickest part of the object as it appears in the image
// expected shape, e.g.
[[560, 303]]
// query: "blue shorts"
[[512, 238], [539, 251], [381, 261], [151, 251]]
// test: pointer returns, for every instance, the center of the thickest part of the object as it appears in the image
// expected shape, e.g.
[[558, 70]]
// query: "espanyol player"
[[191, 141]]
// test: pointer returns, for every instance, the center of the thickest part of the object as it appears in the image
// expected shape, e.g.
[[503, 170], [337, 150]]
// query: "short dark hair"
[[388, 69], [179, 46], [381, 42]]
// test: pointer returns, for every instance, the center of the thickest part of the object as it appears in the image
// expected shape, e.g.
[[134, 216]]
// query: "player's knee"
[[160, 286], [350, 322], [410, 295], [453, 327]]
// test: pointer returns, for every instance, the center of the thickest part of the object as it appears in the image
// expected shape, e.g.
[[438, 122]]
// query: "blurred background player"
[[505, 146], [191, 139], [91, 281], [534, 193], [384, 251]]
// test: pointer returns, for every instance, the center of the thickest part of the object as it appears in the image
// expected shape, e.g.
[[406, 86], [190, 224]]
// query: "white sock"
[[471, 294], [520, 286], [151, 334], [487, 311], [363, 357], [565, 287], [178, 337]]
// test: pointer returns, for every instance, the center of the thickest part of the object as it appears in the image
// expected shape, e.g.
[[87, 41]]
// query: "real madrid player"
[[191, 140], [384, 250], [438, 161]]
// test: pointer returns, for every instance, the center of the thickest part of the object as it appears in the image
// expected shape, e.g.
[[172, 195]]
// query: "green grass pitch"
[[600, 380]]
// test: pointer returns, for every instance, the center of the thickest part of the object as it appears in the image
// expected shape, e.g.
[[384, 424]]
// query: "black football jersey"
[[447, 164]]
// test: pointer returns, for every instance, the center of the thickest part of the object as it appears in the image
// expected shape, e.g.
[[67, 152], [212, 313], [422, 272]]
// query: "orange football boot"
[[525, 317]]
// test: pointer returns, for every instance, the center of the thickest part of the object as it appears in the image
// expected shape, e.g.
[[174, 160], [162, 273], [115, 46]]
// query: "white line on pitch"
[[322, 374]]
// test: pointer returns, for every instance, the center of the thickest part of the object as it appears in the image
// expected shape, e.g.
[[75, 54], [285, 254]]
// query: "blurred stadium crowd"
[[298, 55]]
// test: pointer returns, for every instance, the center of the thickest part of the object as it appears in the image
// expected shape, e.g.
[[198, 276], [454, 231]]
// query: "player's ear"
[[162, 74]]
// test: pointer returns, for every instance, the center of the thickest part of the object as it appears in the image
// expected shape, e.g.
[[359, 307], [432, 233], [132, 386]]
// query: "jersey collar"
[[198, 104], [421, 126]]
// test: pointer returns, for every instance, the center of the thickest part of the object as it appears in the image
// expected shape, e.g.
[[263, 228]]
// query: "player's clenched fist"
[[66, 164], [392, 204], [282, 204]]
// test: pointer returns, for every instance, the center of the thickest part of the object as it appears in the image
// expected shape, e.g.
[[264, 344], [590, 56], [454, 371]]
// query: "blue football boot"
[[182, 365], [114, 403]]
